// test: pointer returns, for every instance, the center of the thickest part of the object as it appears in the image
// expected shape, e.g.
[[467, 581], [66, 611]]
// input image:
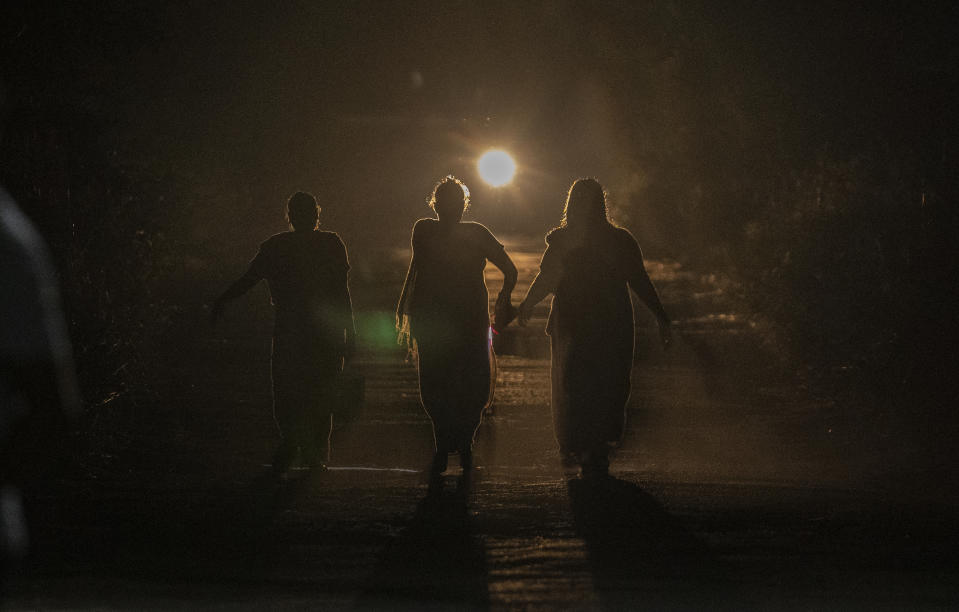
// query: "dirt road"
[[733, 490]]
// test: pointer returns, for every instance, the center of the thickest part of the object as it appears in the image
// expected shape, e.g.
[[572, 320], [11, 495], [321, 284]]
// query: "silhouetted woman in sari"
[[589, 266], [444, 314]]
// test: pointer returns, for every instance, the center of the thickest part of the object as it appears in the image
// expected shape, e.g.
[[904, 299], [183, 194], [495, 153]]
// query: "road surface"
[[733, 489]]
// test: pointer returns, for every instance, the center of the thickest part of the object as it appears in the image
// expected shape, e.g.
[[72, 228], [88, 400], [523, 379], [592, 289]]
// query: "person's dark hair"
[[451, 190], [302, 210], [586, 202]]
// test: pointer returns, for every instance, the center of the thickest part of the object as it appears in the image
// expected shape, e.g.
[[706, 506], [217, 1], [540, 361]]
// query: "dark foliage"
[[846, 247], [101, 201]]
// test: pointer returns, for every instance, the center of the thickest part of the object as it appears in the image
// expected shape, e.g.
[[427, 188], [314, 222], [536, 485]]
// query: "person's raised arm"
[[406, 295], [403, 306], [495, 252], [546, 281], [240, 286], [503, 310], [502, 260], [641, 284]]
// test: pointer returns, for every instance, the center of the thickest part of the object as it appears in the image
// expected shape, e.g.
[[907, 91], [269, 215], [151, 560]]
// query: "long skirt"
[[590, 386], [455, 384], [304, 372]]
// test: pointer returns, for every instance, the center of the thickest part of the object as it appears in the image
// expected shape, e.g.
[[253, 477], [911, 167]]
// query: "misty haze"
[[774, 199]]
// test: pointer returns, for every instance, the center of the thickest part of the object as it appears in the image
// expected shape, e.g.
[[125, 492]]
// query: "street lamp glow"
[[496, 167]]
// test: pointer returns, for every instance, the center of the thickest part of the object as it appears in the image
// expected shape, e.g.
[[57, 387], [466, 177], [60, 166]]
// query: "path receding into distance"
[[733, 490]]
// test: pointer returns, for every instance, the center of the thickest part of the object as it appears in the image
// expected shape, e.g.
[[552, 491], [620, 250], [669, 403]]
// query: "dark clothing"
[[36, 362], [308, 277], [446, 300], [591, 333], [37, 381], [303, 373], [455, 381], [307, 273]]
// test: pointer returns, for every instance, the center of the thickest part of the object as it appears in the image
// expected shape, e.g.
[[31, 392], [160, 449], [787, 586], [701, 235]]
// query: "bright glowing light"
[[496, 167]]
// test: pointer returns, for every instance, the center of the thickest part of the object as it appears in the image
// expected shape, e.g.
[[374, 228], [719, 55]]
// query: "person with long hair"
[[589, 266], [443, 314]]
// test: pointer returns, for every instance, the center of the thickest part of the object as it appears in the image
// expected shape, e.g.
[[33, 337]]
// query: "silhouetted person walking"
[[444, 313], [308, 274], [589, 266]]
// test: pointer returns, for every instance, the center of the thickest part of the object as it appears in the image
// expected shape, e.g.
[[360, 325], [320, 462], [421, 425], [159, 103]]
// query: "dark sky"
[[367, 106], [672, 105]]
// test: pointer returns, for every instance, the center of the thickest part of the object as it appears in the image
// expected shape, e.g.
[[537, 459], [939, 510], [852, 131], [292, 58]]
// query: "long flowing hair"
[[586, 203]]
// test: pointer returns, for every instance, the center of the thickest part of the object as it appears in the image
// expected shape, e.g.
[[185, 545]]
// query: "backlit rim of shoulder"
[[424, 222]]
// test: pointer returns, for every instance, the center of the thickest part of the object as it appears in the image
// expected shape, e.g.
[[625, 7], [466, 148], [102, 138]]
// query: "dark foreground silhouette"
[[37, 381], [307, 271], [444, 311]]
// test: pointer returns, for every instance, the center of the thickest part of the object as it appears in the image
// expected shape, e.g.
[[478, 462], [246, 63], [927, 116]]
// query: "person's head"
[[585, 205], [450, 199], [302, 211]]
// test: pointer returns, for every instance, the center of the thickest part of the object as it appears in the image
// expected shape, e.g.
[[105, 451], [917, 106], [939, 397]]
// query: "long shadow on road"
[[640, 556], [437, 562]]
